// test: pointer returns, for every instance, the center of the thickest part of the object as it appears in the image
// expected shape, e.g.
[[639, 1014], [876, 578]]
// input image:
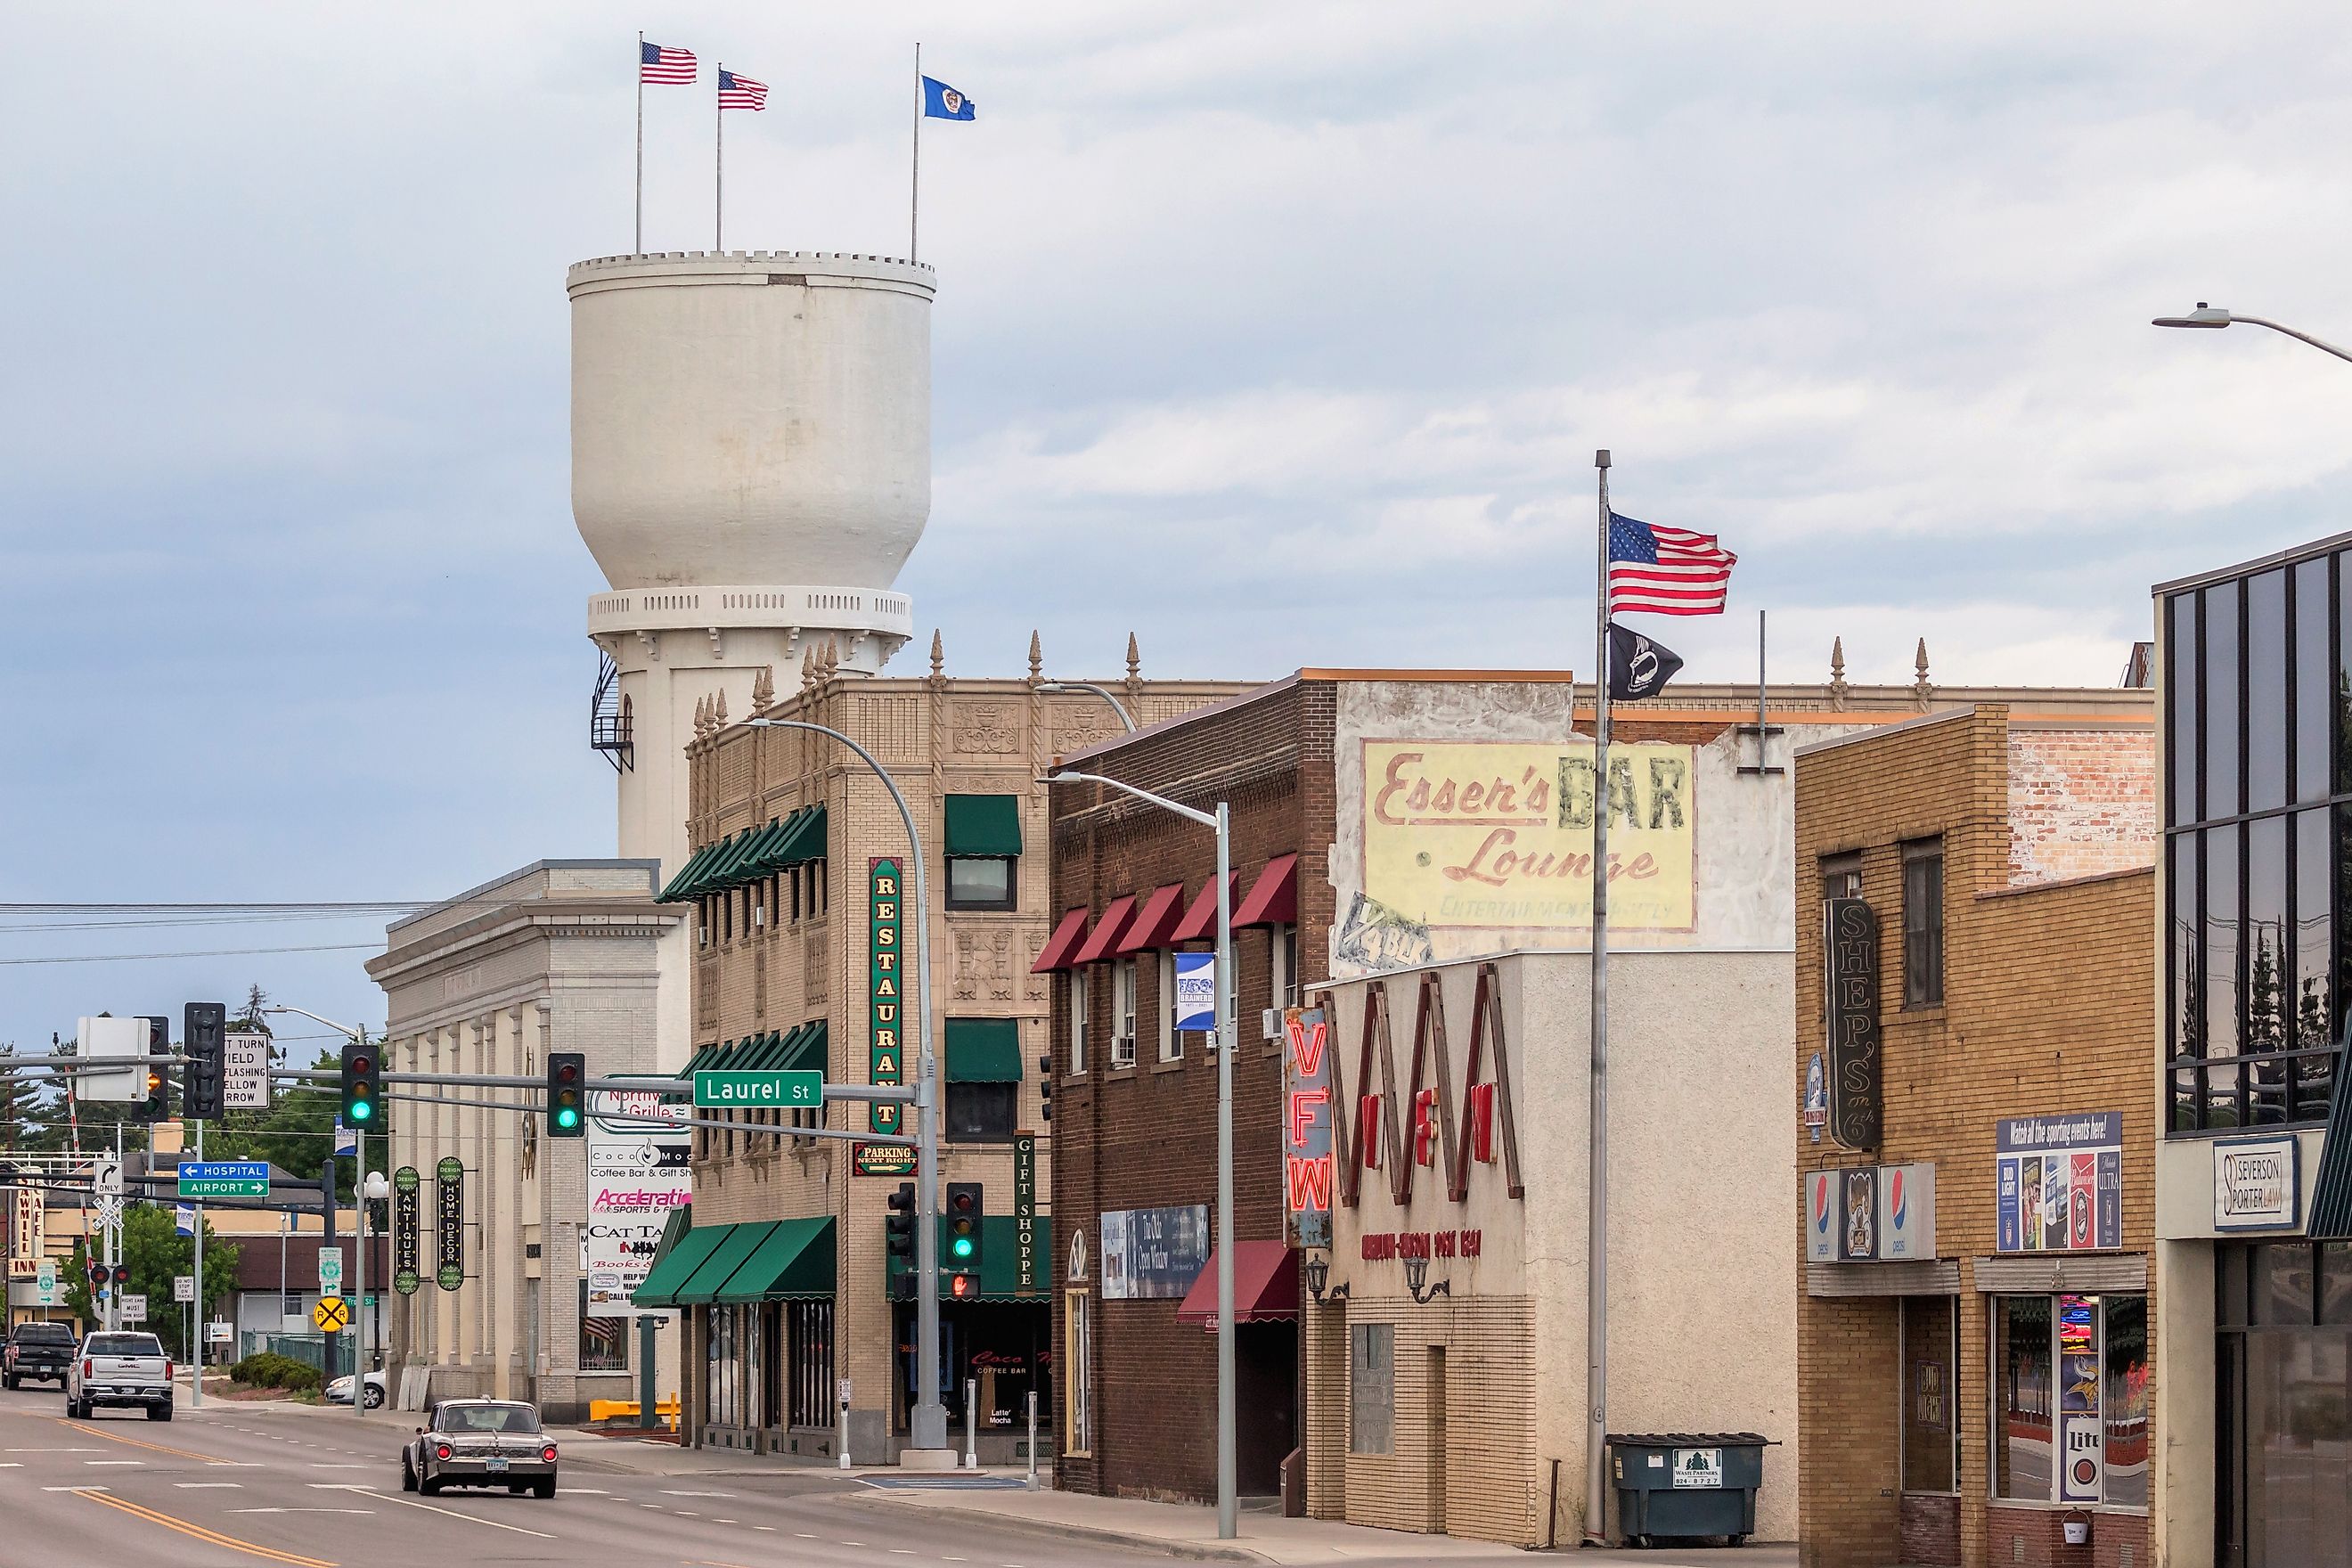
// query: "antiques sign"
[[1850, 949], [406, 1221], [1497, 834]]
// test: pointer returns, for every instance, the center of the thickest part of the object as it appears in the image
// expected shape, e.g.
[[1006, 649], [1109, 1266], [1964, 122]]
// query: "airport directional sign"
[[225, 1179]]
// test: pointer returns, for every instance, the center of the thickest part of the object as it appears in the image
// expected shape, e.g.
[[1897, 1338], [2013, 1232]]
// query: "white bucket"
[[2078, 1531]]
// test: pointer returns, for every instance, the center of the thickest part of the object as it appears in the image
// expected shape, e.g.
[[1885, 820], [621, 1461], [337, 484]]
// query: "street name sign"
[[725, 1090], [245, 1084], [225, 1179]]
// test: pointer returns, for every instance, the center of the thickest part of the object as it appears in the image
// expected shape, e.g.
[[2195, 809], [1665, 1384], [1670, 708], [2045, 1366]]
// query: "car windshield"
[[124, 1344], [486, 1418], [44, 1333]]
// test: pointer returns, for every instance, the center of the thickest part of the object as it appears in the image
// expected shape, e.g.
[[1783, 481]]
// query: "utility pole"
[[196, 1389], [327, 1205]]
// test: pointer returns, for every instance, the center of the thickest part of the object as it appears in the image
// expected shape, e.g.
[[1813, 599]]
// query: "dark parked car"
[[480, 1443], [36, 1351]]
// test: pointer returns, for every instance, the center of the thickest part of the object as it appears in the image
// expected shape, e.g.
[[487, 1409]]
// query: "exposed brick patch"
[[2080, 802]]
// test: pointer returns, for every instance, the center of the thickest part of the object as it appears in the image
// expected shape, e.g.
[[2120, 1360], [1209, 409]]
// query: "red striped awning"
[[1107, 930], [1200, 921], [1266, 1286], [1155, 921], [1272, 899], [1062, 944]]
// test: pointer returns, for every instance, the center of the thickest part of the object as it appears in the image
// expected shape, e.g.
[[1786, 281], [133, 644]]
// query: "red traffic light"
[[567, 1070], [961, 1284], [123, 1274], [961, 1199], [362, 1064]]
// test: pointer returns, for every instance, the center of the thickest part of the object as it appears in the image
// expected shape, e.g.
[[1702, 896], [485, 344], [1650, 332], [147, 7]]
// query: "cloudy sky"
[[1318, 309]]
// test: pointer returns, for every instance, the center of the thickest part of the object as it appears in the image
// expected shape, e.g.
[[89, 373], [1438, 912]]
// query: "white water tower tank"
[[752, 420]]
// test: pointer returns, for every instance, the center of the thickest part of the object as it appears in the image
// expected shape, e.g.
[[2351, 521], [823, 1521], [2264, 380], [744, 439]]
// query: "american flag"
[[740, 91], [656, 64], [1667, 571]]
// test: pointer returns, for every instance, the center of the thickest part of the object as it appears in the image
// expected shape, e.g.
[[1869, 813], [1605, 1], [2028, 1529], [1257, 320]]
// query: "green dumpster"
[[1687, 1483]]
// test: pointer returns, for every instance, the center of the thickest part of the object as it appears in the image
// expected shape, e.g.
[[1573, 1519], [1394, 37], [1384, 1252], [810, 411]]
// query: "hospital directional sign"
[[225, 1179], [756, 1090]]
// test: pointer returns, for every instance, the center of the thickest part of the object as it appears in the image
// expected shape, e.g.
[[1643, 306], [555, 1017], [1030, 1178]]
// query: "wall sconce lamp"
[[1416, 1274]]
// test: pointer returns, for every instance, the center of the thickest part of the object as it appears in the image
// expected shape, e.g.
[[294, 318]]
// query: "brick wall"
[[2047, 1009], [1145, 1137], [2081, 801]]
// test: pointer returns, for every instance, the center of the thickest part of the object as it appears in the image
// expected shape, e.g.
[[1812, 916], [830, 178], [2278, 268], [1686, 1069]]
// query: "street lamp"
[[2214, 316], [1228, 1519], [927, 1423], [358, 1188], [1102, 691]]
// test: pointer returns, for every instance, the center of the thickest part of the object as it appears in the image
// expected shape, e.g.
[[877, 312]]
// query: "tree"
[[157, 1254]]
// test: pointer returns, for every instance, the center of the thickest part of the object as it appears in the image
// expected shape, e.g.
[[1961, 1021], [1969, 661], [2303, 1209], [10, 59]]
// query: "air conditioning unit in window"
[[1270, 1022]]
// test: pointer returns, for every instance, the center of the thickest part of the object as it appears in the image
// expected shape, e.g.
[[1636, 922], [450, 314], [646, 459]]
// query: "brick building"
[[784, 1280], [1354, 859], [1973, 996]]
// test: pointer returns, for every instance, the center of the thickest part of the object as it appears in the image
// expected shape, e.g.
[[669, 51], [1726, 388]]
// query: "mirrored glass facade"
[[2259, 785]]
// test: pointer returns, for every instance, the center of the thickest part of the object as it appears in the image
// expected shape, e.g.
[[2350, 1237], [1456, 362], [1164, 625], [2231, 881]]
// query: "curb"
[[1021, 1524]]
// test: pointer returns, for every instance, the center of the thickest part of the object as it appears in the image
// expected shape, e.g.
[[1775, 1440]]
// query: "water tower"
[[751, 463]]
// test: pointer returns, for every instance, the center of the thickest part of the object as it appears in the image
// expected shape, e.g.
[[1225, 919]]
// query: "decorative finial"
[[701, 717], [939, 659], [719, 710], [1921, 687], [1037, 660], [1838, 687], [808, 667], [763, 688], [830, 662], [1134, 672]]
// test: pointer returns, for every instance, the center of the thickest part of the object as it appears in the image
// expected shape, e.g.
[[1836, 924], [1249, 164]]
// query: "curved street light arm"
[[1207, 819], [1102, 691], [927, 1422], [356, 1034], [2301, 337]]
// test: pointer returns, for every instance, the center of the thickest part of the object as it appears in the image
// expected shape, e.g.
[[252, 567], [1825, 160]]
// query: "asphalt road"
[[237, 1485]]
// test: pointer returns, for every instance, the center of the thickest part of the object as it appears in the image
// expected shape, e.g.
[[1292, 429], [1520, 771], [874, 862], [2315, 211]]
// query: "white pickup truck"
[[120, 1369]]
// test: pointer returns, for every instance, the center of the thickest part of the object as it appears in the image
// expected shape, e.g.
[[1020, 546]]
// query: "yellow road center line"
[[141, 1443], [211, 1537]]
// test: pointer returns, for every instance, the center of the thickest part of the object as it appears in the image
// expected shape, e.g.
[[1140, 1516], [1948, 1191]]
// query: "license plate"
[[496, 1465]]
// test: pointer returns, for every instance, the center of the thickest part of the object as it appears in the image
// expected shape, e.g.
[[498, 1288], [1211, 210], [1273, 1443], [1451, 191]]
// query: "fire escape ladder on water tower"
[[612, 729]]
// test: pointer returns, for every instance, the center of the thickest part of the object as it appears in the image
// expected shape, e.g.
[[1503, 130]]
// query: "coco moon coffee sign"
[[2257, 1184]]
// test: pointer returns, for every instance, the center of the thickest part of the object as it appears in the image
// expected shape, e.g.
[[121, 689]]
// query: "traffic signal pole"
[[196, 1314]]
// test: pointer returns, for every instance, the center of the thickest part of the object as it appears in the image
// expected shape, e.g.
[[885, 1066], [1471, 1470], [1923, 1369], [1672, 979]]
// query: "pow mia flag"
[[1638, 667]]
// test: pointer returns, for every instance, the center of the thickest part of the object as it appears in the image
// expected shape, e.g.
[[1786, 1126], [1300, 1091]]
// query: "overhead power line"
[[210, 952]]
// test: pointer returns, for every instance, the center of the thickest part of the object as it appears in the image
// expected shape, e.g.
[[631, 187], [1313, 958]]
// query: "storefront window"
[[810, 1331], [1077, 1336], [1371, 1388], [2071, 1422], [604, 1342], [1930, 1358]]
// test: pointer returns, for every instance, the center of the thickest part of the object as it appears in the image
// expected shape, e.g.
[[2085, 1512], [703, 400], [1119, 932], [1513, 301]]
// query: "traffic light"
[[154, 1100], [362, 1085], [899, 1239], [963, 1227], [99, 1273], [203, 1033], [122, 1275], [1046, 1087], [567, 1078]]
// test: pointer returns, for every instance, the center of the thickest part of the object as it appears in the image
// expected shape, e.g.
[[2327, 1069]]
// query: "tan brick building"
[[783, 1281], [1975, 1335]]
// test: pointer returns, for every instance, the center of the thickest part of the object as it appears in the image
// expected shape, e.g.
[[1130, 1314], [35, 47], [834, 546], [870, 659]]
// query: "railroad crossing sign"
[[333, 1314]]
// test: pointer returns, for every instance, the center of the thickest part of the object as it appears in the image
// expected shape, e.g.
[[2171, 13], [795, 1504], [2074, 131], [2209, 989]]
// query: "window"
[[808, 1332], [980, 882], [604, 1342], [1171, 1042], [983, 1078], [795, 875], [1077, 1005], [1841, 877], [981, 1113], [1077, 1375], [1282, 966], [1930, 1357], [1371, 1388], [2070, 1376], [1122, 1013], [1923, 924], [983, 841]]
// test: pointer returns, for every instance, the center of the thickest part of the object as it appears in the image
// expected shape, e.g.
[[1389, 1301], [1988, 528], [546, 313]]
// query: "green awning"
[[983, 824], [674, 1266], [806, 1049], [794, 1262], [983, 1050], [704, 1057], [1000, 1258], [802, 840], [681, 887], [728, 871], [736, 1243]]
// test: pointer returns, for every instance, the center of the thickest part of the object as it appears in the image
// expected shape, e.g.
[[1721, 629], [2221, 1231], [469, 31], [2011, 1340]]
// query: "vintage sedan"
[[480, 1443]]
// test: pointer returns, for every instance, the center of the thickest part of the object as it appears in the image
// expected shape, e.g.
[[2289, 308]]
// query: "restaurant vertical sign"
[[1307, 1166], [886, 1012], [1850, 970]]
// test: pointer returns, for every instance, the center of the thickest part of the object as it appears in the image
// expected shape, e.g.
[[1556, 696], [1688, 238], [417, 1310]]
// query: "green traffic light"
[[962, 1247], [567, 1117], [362, 1110]]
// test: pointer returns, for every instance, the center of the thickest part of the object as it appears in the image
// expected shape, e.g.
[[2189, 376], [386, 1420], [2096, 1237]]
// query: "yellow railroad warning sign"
[[333, 1314]]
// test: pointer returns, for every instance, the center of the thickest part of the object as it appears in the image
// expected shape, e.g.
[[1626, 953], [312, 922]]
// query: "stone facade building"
[[1973, 993], [785, 1280], [560, 955]]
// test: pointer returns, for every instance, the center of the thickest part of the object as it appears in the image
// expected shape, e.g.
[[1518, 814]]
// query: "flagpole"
[[719, 194], [1596, 1299], [915, 194], [640, 243]]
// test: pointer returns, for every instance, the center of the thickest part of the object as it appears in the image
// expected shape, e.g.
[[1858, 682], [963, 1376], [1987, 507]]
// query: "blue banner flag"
[[183, 1220], [942, 102]]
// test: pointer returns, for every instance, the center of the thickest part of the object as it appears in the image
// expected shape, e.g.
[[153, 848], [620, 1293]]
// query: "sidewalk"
[[1184, 1531]]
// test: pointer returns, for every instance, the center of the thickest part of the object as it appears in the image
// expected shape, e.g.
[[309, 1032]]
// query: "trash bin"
[[1687, 1483]]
